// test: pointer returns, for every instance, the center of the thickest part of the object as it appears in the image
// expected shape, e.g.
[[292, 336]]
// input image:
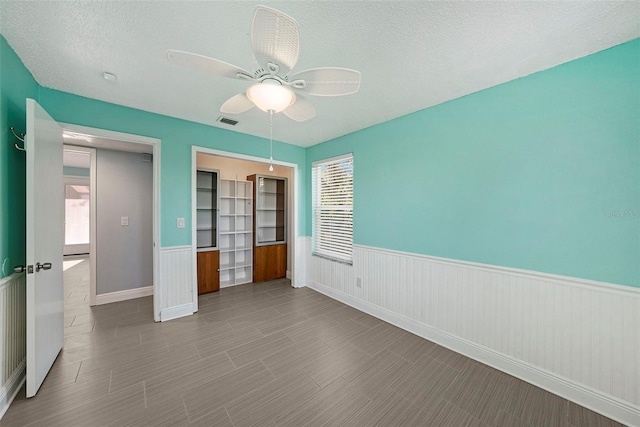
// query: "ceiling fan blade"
[[275, 39], [237, 104], [327, 81], [300, 110], [206, 64]]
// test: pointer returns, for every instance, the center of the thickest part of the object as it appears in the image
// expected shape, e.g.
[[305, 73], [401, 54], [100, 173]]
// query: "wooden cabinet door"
[[208, 272], [270, 262]]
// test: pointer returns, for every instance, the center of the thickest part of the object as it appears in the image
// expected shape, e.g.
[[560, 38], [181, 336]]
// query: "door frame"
[[155, 143], [293, 196]]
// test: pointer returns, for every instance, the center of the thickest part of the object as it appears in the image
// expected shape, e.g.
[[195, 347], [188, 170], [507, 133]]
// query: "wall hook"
[[20, 137]]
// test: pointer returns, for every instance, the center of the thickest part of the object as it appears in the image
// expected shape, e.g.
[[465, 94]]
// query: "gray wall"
[[124, 258]]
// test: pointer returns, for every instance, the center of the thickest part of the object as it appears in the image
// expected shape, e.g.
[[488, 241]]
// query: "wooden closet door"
[[270, 263], [208, 272]]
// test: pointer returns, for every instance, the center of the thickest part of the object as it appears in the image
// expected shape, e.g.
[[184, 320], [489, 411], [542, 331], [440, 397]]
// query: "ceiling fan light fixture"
[[270, 95]]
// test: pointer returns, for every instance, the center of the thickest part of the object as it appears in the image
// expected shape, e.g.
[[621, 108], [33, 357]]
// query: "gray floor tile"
[[330, 366], [377, 374], [294, 356], [580, 416], [480, 391], [185, 377], [259, 348], [281, 322], [52, 400], [411, 347], [122, 405], [125, 375], [535, 406], [262, 405], [217, 418], [333, 405], [448, 415], [424, 382], [214, 394], [387, 409], [226, 340], [254, 317], [380, 336]]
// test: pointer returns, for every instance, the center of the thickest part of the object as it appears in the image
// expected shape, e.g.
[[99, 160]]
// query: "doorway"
[[236, 169], [144, 149]]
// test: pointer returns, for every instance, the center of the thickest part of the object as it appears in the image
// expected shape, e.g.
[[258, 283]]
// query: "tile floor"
[[269, 355]]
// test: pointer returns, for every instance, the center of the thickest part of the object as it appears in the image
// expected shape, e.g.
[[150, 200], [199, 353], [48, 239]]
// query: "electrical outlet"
[[359, 282]]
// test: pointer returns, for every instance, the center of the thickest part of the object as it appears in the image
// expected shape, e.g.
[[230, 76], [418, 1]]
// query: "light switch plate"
[[180, 222], [124, 220]]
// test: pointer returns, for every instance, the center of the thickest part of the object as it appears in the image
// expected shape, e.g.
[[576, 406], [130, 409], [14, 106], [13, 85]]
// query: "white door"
[[45, 296]]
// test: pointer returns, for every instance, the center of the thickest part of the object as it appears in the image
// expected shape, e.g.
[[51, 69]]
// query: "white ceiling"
[[412, 54]]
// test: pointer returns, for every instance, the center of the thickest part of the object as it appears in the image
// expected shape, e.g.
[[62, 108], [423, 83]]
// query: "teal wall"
[[541, 173], [177, 138], [16, 84]]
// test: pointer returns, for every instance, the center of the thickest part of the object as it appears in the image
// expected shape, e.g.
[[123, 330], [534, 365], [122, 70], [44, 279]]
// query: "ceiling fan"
[[276, 46]]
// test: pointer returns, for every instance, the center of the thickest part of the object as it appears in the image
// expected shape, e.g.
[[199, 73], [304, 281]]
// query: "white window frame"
[[341, 248]]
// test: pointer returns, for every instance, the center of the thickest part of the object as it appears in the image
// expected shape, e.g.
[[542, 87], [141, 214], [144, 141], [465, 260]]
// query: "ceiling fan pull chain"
[[270, 140]]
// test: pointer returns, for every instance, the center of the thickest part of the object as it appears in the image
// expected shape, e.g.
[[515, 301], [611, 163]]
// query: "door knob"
[[45, 266]]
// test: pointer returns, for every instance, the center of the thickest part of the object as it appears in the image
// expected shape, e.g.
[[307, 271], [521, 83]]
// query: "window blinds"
[[332, 188]]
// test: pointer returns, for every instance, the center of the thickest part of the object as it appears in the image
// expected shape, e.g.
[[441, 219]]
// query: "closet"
[[242, 222]]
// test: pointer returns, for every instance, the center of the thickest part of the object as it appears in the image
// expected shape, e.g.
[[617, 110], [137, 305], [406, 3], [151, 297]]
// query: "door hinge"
[[23, 268]]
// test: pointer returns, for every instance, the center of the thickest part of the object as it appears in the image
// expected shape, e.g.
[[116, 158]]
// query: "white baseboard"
[[231, 285], [602, 403], [11, 388], [124, 295], [176, 312]]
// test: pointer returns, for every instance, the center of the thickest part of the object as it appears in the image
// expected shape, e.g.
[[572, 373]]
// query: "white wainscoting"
[[13, 328], [303, 249], [577, 338], [176, 282]]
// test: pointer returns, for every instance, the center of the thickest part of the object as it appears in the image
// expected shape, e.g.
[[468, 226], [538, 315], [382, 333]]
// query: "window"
[[332, 221]]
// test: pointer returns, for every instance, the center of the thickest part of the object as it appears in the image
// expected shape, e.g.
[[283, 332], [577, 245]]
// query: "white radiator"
[[13, 344]]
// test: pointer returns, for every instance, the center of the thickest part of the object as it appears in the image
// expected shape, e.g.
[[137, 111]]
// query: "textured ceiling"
[[412, 55]]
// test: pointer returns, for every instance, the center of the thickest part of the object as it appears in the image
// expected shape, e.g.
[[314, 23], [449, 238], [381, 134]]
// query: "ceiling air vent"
[[227, 121]]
